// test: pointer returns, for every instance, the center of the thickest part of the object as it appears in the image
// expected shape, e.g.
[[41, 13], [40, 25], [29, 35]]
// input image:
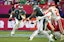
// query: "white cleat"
[[30, 38], [51, 41], [62, 37], [12, 33], [51, 38]]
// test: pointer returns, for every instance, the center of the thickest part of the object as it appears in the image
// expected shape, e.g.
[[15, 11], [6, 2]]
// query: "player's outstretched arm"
[[33, 14]]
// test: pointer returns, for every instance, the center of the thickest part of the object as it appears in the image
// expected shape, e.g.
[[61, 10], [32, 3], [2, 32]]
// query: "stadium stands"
[[4, 9], [1, 3]]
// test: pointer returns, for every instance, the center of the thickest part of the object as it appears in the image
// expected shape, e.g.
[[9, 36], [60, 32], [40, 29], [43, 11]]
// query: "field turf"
[[21, 36]]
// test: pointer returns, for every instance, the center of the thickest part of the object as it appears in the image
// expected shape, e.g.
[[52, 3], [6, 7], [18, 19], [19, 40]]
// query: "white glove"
[[23, 17]]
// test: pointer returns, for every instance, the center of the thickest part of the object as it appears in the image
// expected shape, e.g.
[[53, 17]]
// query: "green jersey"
[[18, 14], [38, 11], [42, 1], [23, 1]]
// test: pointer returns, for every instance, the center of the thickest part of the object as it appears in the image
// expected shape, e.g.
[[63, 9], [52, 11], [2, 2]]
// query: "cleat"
[[62, 37], [51, 40], [12, 33], [54, 37], [30, 39]]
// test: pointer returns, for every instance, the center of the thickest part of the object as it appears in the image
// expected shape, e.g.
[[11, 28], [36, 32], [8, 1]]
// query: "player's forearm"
[[44, 16], [34, 13], [10, 16], [46, 12]]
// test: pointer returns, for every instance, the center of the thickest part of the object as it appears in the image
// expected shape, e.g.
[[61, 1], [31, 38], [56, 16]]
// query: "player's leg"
[[60, 26], [10, 18], [50, 37], [45, 32], [35, 32], [62, 35], [15, 27], [57, 34], [45, 25]]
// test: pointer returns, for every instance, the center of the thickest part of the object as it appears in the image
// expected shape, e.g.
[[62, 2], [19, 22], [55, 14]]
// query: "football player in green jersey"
[[19, 15]]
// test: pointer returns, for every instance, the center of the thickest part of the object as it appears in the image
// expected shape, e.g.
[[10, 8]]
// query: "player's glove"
[[32, 23], [10, 19], [27, 19]]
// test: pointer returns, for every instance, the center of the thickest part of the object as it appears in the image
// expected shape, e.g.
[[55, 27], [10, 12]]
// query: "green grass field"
[[21, 36]]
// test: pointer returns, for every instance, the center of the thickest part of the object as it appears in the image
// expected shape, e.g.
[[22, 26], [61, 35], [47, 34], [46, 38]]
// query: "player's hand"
[[10, 19], [28, 19], [32, 22]]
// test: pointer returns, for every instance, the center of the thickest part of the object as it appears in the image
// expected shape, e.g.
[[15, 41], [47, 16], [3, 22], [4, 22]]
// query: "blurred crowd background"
[[7, 5]]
